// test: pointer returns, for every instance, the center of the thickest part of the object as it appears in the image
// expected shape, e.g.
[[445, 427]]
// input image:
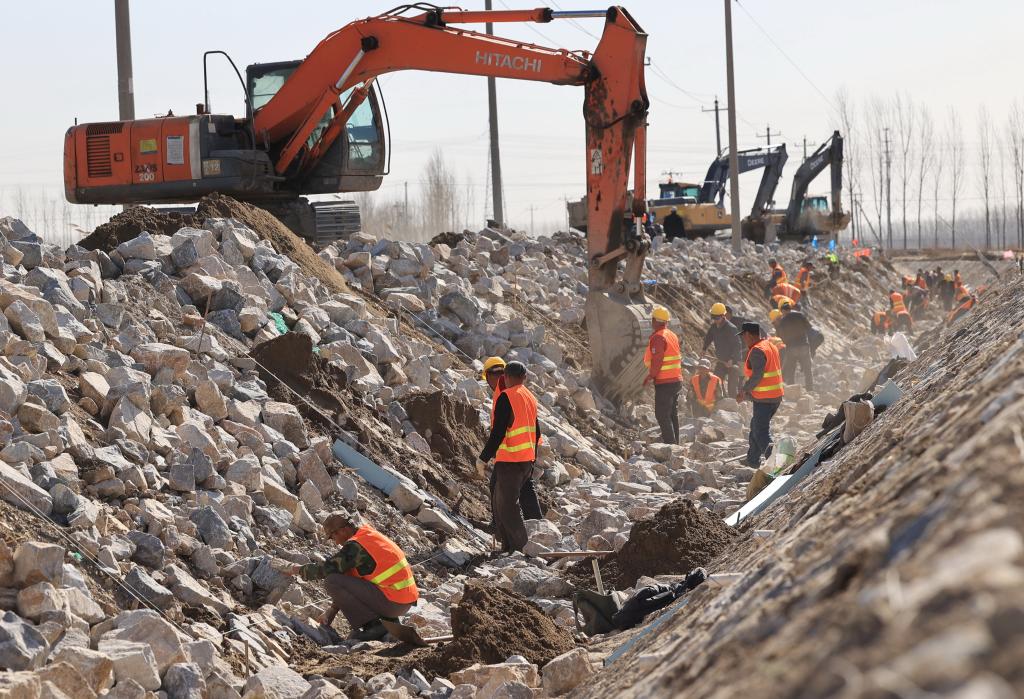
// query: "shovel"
[[409, 634]]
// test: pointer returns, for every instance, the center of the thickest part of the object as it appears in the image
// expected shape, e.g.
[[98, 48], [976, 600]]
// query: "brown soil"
[[454, 428], [490, 624], [679, 538], [128, 224]]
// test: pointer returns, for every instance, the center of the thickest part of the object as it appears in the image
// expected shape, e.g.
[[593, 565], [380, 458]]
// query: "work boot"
[[374, 631]]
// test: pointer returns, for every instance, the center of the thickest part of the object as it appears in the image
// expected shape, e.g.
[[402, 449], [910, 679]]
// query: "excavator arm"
[[713, 189], [615, 109], [829, 153], [775, 159]]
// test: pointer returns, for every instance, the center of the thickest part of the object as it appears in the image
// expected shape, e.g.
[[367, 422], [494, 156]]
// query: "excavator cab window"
[[816, 204]]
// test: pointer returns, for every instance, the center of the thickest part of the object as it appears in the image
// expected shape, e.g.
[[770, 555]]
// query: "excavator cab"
[[356, 162]]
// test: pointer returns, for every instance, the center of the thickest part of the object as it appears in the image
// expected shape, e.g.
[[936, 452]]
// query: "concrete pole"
[[492, 111], [125, 87], [734, 165]]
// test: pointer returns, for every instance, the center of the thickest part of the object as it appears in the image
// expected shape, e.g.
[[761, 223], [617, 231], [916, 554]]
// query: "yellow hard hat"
[[774, 314], [489, 364], [660, 314], [718, 309]]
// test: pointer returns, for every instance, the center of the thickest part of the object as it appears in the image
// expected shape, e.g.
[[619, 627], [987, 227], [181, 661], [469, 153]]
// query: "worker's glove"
[[481, 469]]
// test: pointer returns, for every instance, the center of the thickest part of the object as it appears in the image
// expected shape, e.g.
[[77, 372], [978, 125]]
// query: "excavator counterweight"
[[314, 126]]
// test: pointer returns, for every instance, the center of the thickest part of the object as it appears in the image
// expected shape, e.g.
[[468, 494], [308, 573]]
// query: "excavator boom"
[[828, 154], [294, 134]]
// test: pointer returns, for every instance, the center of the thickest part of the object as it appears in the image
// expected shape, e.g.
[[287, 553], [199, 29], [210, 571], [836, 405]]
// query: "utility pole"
[[123, 40], [888, 189], [718, 130], [734, 165], [768, 134], [532, 207], [406, 207], [492, 111], [805, 148]]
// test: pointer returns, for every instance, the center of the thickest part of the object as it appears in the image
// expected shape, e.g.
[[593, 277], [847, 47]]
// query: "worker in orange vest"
[[899, 310], [368, 579], [763, 387], [777, 275], [803, 281], [664, 362], [880, 323], [965, 301], [513, 443], [774, 316], [705, 390], [494, 374], [785, 291]]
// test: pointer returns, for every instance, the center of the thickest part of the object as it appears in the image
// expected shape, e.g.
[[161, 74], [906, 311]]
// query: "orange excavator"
[[314, 127]]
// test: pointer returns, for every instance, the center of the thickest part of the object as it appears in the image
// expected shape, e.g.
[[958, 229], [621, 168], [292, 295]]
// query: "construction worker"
[[728, 348], [673, 225], [705, 390], [665, 370], [947, 291], [833, 264], [494, 375], [880, 323], [958, 281], [803, 281], [774, 316], [513, 442], [777, 275], [763, 371], [965, 301], [794, 329], [920, 281], [784, 291], [368, 579], [902, 321]]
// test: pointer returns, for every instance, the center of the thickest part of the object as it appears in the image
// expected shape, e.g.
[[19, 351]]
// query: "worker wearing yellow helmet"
[[664, 362], [494, 374], [728, 348]]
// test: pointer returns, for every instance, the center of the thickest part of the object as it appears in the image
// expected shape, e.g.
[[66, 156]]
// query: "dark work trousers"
[[360, 601], [760, 431], [528, 500], [798, 356], [730, 375], [666, 410], [698, 409], [509, 526]]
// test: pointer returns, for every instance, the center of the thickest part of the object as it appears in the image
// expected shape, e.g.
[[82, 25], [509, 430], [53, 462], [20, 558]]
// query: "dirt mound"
[[453, 426], [489, 625], [129, 224], [450, 239], [679, 538], [289, 359], [274, 232]]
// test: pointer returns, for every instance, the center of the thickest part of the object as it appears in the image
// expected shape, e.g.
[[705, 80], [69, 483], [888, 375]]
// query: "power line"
[[786, 56]]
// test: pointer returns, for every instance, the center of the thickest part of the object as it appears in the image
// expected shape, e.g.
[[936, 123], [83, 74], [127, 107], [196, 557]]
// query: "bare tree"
[[852, 149], [906, 115], [955, 143], [1001, 148], [925, 154], [937, 174], [985, 167], [1015, 131], [439, 195], [876, 120]]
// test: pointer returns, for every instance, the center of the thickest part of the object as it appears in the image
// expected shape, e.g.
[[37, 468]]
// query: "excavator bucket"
[[619, 329]]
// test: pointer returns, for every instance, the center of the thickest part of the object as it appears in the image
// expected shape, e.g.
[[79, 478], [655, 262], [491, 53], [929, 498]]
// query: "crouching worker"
[[367, 580]]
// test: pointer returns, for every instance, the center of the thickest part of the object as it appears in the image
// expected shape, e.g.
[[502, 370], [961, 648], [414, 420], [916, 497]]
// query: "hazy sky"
[[61, 66]]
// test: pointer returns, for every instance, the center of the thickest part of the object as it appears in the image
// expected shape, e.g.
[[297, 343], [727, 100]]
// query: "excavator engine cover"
[[619, 329]]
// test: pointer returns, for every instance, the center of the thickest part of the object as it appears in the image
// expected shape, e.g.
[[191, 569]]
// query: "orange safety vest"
[[770, 385], [921, 283], [897, 302], [788, 290], [671, 369], [520, 442], [392, 573], [803, 279], [779, 275], [710, 393], [881, 320]]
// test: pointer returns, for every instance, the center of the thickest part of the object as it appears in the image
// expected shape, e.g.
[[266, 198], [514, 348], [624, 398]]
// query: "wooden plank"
[[555, 555]]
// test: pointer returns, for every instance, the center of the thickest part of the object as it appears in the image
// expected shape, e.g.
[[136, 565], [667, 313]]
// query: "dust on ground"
[[490, 624], [452, 427], [129, 224]]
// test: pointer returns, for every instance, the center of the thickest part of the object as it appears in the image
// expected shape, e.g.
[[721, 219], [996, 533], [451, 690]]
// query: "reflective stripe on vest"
[[770, 385], [672, 361], [710, 393], [392, 573], [520, 442]]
